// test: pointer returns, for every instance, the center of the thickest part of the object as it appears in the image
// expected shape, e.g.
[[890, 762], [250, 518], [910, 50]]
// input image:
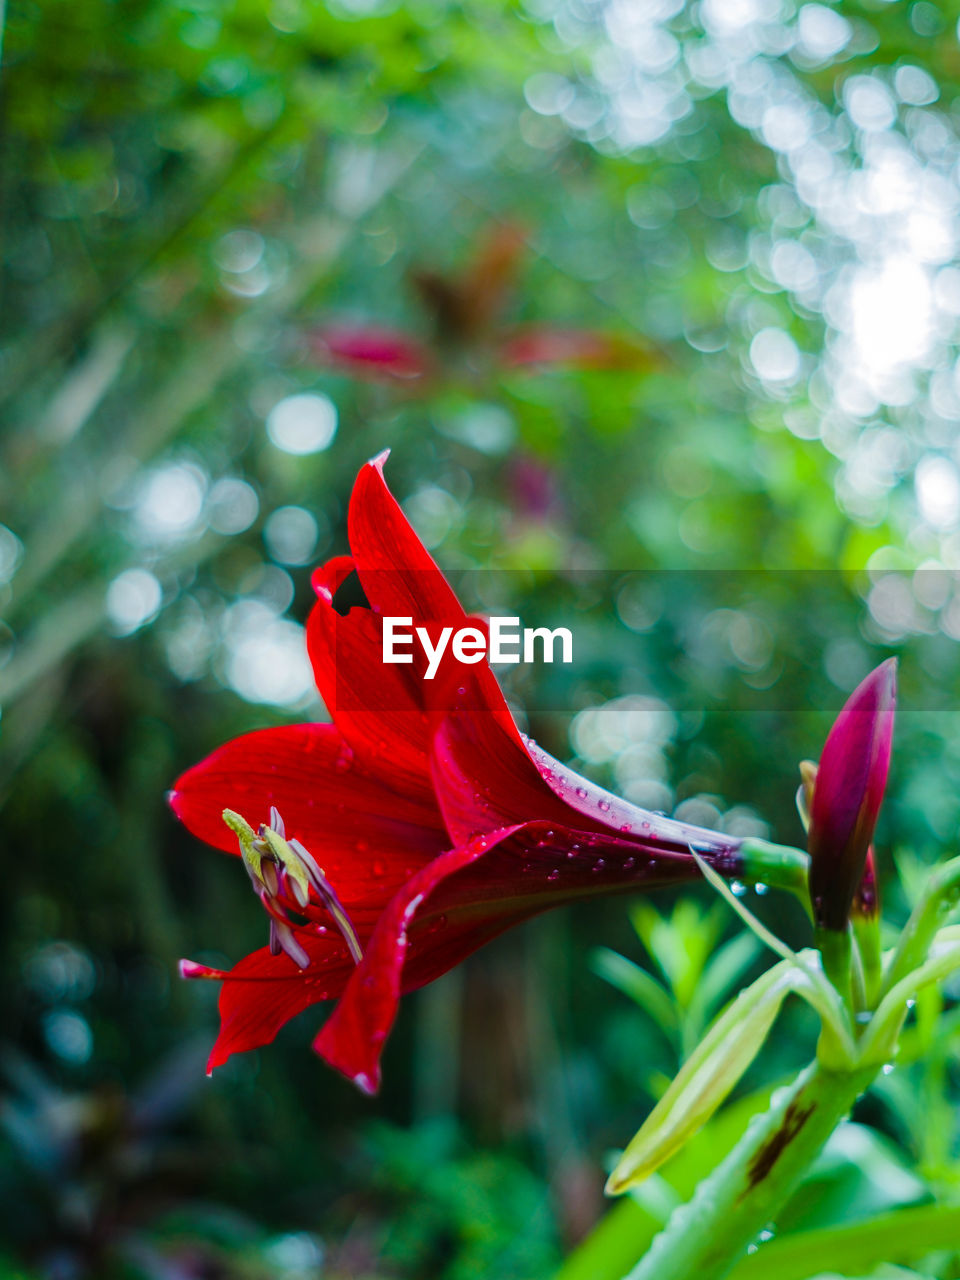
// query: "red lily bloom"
[[847, 794], [465, 310], [421, 822]]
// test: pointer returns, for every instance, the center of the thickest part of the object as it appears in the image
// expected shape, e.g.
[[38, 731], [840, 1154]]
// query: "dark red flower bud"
[[847, 795]]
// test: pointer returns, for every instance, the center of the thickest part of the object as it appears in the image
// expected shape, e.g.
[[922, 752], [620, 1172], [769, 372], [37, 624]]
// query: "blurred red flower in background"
[[421, 822], [466, 313]]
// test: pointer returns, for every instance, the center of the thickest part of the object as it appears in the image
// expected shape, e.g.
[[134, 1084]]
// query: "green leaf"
[[851, 1250], [724, 972], [636, 983], [629, 1226]]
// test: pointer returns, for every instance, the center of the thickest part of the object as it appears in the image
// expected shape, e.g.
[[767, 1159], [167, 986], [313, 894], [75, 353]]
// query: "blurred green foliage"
[[763, 194]]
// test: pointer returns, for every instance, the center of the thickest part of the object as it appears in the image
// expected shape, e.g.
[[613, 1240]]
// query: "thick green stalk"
[[706, 1237]]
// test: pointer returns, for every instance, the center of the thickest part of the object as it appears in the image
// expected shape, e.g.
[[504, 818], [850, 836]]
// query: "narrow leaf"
[[638, 985], [855, 1248], [708, 1076]]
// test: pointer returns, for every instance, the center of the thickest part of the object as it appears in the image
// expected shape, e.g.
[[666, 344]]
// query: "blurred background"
[[656, 305]]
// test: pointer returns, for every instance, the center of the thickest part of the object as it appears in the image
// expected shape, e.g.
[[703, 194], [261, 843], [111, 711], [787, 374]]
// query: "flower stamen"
[[282, 869]]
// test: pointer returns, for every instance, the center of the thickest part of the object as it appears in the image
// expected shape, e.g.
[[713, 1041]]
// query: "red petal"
[[401, 580], [263, 992], [462, 900], [486, 778], [595, 806], [377, 706], [398, 574], [371, 352], [367, 838]]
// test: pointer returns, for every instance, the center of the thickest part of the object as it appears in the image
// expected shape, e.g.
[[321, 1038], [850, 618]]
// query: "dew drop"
[[629, 864], [582, 793], [888, 1068], [599, 864], [603, 806], [737, 888], [760, 888], [554, 874]]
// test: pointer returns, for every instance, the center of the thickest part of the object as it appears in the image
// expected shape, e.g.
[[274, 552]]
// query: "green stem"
[[778, 866], [836, 952], [706, 1237], [867, 935]]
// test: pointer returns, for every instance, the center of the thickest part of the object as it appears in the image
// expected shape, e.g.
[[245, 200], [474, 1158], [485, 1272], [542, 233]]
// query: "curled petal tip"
[[192, 969], [367, 1083], [327, 578], [379, 460]]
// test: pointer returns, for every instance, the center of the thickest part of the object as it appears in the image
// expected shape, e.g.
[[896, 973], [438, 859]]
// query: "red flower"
[[465, 309], [372, 351], [421, 822], [847, 794]]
